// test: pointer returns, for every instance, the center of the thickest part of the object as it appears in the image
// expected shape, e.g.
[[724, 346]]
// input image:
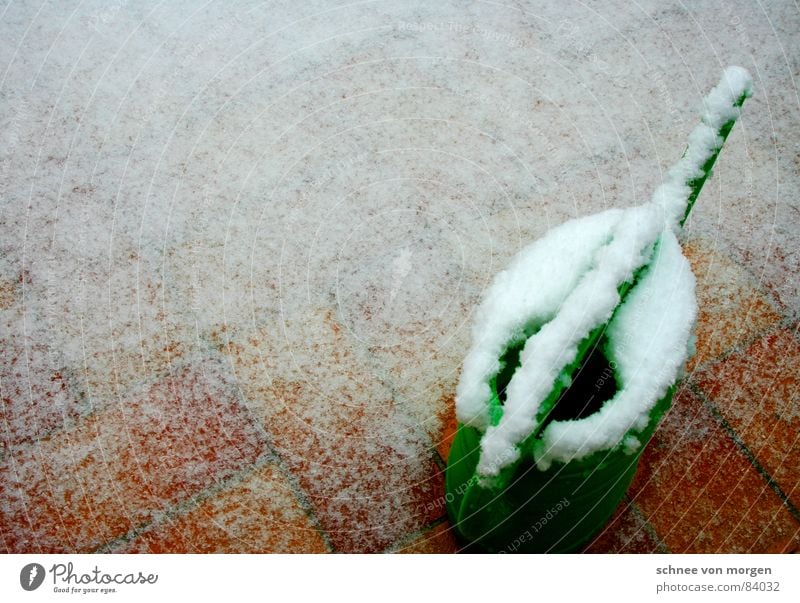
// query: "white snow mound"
[[563, 286]]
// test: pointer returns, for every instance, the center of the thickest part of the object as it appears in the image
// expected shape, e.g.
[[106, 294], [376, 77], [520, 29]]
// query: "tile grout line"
[[180, 506], [649, 528], [794, 326], [297, 491], [212, 490], [187, 504], [440, 461], [386, 381], [409, 538], [756, 284], [96, 409], [742, 345], [742, 446], [305, 504]]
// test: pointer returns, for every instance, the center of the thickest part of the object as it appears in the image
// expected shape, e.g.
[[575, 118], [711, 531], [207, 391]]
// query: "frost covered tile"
[[731, 311], [757, 390], [104, 316], [259, 514], [38, 387], [359, 454], [437, 540], [449, 426], [367, 475], [626, 532], [779, 264], [38, 390], [423, 381], [121, 467], [761, 220], [10, 290], [311, 350], [700, 493], [404, 311], [754, 210]]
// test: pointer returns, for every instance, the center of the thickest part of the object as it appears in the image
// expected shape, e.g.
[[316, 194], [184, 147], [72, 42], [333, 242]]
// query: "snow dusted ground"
[[308, 200]]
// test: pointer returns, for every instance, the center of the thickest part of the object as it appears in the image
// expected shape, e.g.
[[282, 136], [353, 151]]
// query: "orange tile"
[[787, 545], [423, 371], [112, 327], [700, 493], [758, 392], [438, 540], [119, 468], [731, 311], [37, 393], [449, 425], [108, 374], [774, 263], [626, 532], [360, 471], [10, 292], [260, 514], [360, 455]]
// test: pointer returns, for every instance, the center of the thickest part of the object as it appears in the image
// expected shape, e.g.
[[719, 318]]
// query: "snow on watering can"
[[576, 351]]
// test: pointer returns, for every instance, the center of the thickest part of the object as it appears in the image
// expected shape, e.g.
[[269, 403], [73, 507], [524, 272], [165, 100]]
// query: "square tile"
[[757, 390], [731, 311], [368, 477], [257, 514], [626, 532], [362, 458], [124, 466], [700, 493], [437, 540]]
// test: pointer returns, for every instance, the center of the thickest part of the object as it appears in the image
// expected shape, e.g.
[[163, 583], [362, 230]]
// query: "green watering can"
[[576, 351]]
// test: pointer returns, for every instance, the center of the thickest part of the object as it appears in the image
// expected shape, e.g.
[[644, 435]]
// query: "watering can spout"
[[684, 181]]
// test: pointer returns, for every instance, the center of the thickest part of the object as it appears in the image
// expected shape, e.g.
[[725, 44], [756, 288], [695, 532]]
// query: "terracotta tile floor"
[[186, 464], [238, 269]]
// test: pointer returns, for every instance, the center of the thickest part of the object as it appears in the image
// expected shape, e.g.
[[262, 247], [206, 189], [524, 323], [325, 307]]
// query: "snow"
[[718, 109], [555, 345], [649, 340], [564, 286], [719, 104], [528, 293]]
